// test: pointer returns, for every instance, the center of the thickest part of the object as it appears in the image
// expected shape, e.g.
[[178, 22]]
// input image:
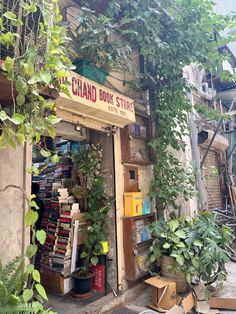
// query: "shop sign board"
[[96, 101]]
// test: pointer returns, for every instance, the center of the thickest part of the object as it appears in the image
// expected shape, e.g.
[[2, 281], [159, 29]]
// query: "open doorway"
[[57, 182]]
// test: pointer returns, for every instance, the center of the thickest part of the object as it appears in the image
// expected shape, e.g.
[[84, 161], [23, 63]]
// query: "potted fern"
[[191, 248]]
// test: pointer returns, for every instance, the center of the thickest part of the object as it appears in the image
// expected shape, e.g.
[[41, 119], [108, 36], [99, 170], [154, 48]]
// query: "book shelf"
[[137, 240], [55, 254], [134, 141]]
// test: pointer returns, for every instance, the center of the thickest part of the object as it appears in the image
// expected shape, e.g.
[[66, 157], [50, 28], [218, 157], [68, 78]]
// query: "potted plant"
[[98, 209], [190, 249], [97, 205]]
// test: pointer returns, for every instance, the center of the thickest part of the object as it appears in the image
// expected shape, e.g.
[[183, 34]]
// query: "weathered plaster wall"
[[108, 173], [13, 237]]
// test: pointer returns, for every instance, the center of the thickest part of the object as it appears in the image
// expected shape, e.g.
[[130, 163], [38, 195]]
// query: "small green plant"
[[199, 246], [98, 208], [85, 174], [15, 297]]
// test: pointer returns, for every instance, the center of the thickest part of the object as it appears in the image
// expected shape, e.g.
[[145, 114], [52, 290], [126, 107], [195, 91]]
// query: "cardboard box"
[[163, 293], [188, 302], [54, 283]]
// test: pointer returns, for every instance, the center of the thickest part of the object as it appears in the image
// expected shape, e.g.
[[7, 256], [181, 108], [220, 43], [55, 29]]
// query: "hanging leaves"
[[41, 291], [41, 236], [29, 77]]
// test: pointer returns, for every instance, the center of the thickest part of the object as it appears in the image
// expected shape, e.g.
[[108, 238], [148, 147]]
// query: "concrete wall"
[[13, 236]]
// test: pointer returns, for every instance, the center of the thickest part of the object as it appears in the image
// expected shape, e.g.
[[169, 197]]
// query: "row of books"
[[142, 231], [57, 217]]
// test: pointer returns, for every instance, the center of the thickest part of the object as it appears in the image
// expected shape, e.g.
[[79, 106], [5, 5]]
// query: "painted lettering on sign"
[[94, 93]]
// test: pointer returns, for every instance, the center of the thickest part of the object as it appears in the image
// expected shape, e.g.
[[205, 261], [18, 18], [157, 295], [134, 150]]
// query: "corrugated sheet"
[[212, 180]]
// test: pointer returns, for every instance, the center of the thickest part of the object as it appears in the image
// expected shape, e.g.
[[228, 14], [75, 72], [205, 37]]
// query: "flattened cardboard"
[[223, 303], [163, 293], [188, 303]]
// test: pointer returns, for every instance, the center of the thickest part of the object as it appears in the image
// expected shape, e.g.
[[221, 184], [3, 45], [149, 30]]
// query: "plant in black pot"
[[96, 205], [190, 249], [98, 209]]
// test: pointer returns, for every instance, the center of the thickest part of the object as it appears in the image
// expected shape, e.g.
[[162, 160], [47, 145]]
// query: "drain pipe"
[[196, 155]]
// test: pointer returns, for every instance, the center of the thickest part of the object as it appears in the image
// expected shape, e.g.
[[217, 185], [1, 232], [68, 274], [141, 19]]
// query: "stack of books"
[[57, 218], [62, 253], [63, 195], [52, 226], [63, 169]]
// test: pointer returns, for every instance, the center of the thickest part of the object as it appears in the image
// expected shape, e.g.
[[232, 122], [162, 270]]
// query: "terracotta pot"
[[182, 285]]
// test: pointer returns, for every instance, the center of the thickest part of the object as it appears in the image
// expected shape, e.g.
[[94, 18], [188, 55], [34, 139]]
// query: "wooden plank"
[[223, 303]]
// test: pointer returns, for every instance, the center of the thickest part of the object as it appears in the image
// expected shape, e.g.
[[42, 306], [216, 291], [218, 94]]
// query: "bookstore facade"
[[88, 147]]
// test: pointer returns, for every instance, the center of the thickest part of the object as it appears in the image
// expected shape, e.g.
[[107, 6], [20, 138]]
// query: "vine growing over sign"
[[170, 34]]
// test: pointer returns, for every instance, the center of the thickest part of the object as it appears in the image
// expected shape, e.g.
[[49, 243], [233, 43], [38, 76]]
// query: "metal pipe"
[[196, 156], [115, 211], [215, 133]]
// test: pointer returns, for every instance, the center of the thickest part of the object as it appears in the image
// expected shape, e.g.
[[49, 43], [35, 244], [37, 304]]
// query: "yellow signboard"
[[96, 101]]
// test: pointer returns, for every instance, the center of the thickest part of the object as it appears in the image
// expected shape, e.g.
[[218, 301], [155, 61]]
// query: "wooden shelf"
[[134, 142], [138, 162], [135, 253]]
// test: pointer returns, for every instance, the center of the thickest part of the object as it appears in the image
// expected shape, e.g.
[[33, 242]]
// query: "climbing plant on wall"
[[33, 55], [171, 34]]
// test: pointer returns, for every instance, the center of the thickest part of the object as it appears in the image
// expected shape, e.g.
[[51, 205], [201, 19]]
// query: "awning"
[[92, 100], [220, 143]]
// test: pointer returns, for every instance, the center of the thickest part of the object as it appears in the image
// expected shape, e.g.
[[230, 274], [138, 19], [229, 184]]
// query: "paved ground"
[[133, 301]]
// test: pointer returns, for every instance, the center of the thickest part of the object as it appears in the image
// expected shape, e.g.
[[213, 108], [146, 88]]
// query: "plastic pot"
[[89, 70], [82, 284]]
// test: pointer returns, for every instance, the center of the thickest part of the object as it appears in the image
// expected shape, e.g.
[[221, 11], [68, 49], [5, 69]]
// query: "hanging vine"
[[33, 50], [170, 34]]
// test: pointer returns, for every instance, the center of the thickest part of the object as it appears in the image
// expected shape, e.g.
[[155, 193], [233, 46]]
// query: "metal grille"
[[28, 32]]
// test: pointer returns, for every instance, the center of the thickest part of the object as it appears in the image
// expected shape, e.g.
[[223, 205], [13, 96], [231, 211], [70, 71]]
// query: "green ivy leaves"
[[197, 246], [31, 250], [41, 236], [32, 115], [41, 291], [31, 217], [27, 295]]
